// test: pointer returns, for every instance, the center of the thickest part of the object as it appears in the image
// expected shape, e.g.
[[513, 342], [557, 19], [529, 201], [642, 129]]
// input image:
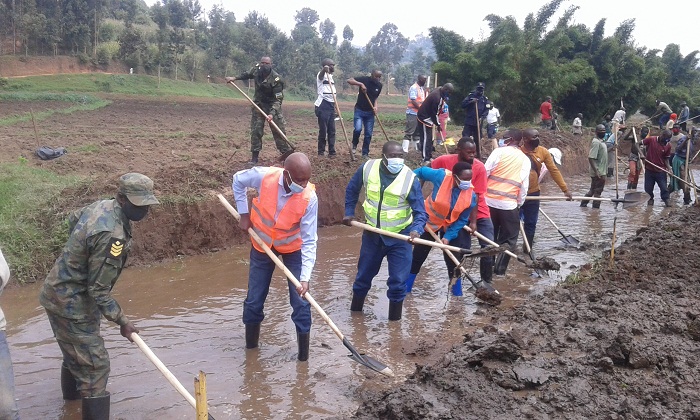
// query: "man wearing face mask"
[[657, 152], [508, 172], [269, 88], [450, 207], [538, 156], [393, 202], [428, 116], [285, 216], [598, 162], [475, 110], [77, 291]]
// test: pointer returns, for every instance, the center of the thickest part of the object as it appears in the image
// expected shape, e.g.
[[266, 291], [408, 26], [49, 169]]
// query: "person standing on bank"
[[684, 116], [77, 290], [269, 93], [416, 95], [451, 205], [324, 107], [393, 202], [428, 116], [598, 162], [539, 156], [546, 113], [475, 110], [285, 216], [508, 174], [577, 126], [365, 111], [8, 405]]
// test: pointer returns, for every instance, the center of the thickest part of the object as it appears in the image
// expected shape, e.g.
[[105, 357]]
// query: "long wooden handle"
[[283, 267], [550, 220], [555, 197], [337, 110], [669, 173], [490, 242], [164, 370], [417, 241], [272, 123], [376, 116], [527, 244], [437, 240]]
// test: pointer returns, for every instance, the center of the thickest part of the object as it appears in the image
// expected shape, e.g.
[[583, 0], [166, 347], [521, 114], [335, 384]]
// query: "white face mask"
[[394, 165]]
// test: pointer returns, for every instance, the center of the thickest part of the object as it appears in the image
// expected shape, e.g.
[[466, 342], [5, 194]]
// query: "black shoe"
[[254, 158], [584, 204], [303, 341], [395, 310], [667, 203], [650, 202], [252, 335], [357, 303], [69, 386], [501, 266], [96, 408]]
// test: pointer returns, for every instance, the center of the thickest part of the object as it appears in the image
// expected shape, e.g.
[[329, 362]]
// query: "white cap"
[[556, 155]]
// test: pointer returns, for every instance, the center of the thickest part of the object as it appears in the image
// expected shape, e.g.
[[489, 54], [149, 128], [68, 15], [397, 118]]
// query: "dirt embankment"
[[622, 343]]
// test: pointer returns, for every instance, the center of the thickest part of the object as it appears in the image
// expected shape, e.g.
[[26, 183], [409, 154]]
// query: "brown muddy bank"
[[616, 341]]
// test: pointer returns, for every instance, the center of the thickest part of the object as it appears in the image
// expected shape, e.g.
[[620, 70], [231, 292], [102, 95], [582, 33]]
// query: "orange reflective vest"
[[504, 181], [283, 232], [420, 97], [439, 215]]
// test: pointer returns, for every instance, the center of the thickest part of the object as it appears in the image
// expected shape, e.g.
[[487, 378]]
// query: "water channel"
[[189, 312]]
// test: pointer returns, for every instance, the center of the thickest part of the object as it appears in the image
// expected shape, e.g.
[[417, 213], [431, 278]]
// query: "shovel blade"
[[570, 241], [367, 361], [632, 199]]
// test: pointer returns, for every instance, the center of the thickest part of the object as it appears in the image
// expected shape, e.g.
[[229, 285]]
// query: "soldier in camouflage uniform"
[[268, 96], [77, 291]]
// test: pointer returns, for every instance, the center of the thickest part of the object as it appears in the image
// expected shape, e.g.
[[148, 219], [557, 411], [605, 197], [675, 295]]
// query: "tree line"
[[581, 69]]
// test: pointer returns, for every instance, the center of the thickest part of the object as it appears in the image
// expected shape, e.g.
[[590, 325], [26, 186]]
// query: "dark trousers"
[[372, 253], [426, 140], [529, 213], [506, 226], [326, 127], [597, 185], [475, 133], [420, 252], [259, 278], [485, 227], [652, 178]]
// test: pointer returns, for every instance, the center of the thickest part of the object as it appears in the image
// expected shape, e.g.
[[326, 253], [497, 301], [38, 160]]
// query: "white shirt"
[[492, 162], [252, 178], [493, 116], [325, 88], [619, 116], [5, 277], [577, 122]]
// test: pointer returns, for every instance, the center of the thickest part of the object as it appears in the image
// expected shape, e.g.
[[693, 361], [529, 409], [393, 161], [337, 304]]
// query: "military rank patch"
[[277, 79], [116, 246]]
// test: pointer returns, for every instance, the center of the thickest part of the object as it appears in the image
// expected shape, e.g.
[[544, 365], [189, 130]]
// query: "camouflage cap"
[[138, 189]]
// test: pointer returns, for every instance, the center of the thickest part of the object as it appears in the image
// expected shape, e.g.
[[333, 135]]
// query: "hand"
[[230, 79], [303, 288], [347, 220], [269, 118], [568, 195], [363, 88], [326, 69], [472, 226], [413, 235], [244, 223], [127, 329], [445, 241]]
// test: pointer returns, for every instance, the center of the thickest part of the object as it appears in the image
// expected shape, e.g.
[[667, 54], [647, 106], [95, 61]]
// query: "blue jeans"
[[259, 277], [529, 214], [366, 119], [658, 178], [491, 130], [8, 405], [372, 252], [485, 227]]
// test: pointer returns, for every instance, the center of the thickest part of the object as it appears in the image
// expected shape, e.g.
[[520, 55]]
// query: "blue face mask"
[[394, 165], [293, 186], [501, 142], [464, 185]]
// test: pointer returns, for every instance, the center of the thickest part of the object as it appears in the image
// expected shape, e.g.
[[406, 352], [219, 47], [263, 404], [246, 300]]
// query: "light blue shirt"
[[252, 178]]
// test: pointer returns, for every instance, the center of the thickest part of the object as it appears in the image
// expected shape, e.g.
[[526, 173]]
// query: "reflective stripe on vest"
[[396, 213], [504, 181], [438, 210], [283, 233], [420, 97]]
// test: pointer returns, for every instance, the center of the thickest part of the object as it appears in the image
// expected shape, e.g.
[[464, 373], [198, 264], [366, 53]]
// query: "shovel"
[[342, 122], [376, 116], [362, 359], [490, 242], [567, 239], [631, 198], [528, 249]]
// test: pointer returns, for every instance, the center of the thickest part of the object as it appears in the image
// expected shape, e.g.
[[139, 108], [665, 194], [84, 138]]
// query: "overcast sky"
[[656, 24]]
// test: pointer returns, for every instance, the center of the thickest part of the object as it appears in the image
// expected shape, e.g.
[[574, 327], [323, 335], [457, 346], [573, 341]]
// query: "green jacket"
[[268, 90], [81, 280]]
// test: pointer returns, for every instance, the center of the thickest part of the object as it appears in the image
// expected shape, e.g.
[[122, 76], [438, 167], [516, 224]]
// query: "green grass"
[[81, 103], [31, 231]]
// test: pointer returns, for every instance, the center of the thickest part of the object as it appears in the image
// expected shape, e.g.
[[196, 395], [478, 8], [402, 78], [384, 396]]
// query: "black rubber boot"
[[252, 335], [395, 310], [68, 385], [611, 172], [634, 185], [629, 186], [357, 303], [96, 408], [254, 158], [501, 266], [595, 204], [303, 341]]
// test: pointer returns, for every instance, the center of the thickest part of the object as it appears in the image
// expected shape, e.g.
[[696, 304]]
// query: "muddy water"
[[189, 313]]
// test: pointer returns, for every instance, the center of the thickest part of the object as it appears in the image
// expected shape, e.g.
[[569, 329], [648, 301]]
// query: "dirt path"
[[622, 343]]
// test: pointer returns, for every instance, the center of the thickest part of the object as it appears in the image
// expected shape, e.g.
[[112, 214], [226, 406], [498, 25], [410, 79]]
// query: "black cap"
[[480, 85]]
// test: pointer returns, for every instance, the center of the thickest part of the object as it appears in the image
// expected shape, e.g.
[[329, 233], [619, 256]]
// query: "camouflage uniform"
[[268, 96], [78, 288]]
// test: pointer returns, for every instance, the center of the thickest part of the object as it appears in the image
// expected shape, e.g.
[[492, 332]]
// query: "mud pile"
[[619, 341]]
